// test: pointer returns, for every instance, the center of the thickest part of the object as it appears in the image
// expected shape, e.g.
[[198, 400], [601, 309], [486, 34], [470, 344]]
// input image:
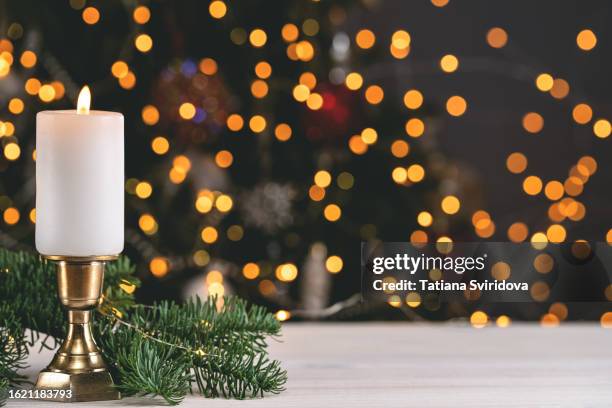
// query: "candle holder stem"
[[78, 372]]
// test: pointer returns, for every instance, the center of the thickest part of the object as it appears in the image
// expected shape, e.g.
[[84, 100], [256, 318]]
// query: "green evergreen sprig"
[[216, 347]]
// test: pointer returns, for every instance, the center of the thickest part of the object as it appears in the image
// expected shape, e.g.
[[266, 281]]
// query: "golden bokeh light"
[[559, 310], [439, 3], [532, 185], [282, 132], [263, 70], [148, 224], [259, 88], [418, 238], [479, 319], [258, 38], [224, 159], [544, 82], [606, 320], [516, 163], [400, 148], [400, 40], [399, 175], [602, 128], [374, 94], [501, 270], [144, 190], [234, 122], [332, 212], [141, 15], [208, 66], [533, 122], [224, 203], [539, 240], [160, 145], [209, 235], [497, 37], [556, 233], [540, 292], [353, 81], [128, 81], [150, 115], [449, 63], [415, 173], [11, 216], [554, 190], [316, 193], [322, 178], [334, 264], [257, 123], [28, 59], [46, 93], [369, 136], [365, 39], [415, 127], [357, 145], [582, 113], [217, 9], [12, 151], [308, 79], [588, 163], [518, 232], [586, 40], [32, 86], [413, 99], [560, 88], [548, 320], [91, 15], [450, 205], [187, 110], [250, 270], [301, 93], [314, 101], [290, 32], [143, 43], [16, 106], [119, 69], [286, 272], [425, 219], [159, 267], [456, 105]]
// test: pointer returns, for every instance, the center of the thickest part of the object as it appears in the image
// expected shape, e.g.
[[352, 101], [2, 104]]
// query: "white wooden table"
[[427, 365]]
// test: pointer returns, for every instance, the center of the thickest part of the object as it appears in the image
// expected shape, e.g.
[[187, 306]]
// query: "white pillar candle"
[[79, 181]]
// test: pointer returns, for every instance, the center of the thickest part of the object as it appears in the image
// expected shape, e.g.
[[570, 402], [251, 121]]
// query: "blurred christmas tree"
[[259, 151]]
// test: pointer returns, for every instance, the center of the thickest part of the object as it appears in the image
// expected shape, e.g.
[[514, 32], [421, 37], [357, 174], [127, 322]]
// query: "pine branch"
[[223, 351], [159, 350], [13, 351], [4, 386]]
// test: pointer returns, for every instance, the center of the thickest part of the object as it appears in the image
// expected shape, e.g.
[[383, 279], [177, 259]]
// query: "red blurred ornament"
[[340, 116]]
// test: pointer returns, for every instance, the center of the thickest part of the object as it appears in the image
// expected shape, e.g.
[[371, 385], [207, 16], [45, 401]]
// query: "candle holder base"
[[78, 372], [80, 387]]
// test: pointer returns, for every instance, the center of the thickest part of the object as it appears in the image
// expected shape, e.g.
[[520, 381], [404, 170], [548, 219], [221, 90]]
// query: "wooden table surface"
[[426, 365]]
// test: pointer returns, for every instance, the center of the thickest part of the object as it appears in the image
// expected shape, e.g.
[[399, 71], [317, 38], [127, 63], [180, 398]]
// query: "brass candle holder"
[[78, 371]]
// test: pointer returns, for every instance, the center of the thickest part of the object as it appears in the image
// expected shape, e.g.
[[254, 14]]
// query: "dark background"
[[464, 156]]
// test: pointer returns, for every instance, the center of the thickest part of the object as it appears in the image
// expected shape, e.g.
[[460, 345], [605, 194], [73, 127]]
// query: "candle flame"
[[84, 101]]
